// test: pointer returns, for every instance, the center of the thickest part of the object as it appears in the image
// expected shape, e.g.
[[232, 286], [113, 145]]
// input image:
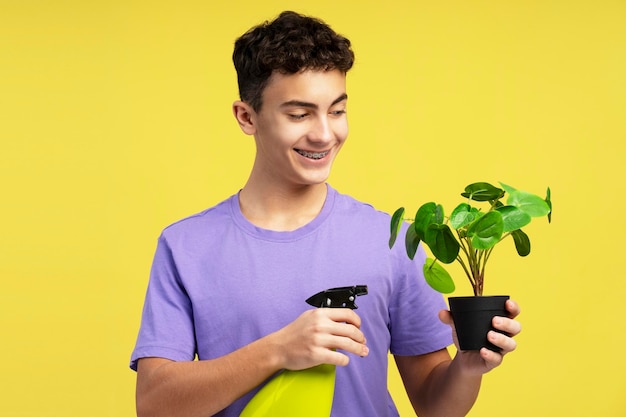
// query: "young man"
[[228, 285]]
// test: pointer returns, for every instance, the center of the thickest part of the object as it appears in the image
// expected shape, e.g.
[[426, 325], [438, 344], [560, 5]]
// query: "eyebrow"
[[306, 104]]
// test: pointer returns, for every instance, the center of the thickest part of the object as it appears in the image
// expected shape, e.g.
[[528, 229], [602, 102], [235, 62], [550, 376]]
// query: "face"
[[300, 127]]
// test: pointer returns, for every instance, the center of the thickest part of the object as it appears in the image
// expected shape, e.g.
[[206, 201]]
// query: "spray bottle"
[[309, 391]]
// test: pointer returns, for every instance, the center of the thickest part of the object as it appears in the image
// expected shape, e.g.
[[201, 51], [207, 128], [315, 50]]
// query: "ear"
[[245, 117]]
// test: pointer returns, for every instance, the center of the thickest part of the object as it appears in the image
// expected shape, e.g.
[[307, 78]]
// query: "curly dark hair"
[[289, 44]]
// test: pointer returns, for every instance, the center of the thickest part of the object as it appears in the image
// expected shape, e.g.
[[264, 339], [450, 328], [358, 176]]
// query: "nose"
[[321, 130]]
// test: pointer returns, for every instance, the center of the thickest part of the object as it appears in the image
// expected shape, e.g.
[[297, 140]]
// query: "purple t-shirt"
[[218, 283]]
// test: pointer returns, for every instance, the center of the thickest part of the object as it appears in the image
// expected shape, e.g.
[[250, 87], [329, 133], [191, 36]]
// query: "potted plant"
[[468, 235]]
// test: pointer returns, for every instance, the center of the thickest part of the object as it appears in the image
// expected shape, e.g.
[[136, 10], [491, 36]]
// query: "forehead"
[[317, 87]]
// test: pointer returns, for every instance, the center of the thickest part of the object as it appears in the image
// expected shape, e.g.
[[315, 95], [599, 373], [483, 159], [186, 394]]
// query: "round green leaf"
[[437, 277], [442, 242], [461, 216], [531, 204], [396, 224], [522, 242], [549, 203], [486, 231], [507, 188], [482, 191], [426, 214], [513, 218], [439, 215], [411, 241]]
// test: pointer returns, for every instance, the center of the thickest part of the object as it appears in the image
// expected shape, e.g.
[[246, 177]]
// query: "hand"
[[483, 361], [313, 338]]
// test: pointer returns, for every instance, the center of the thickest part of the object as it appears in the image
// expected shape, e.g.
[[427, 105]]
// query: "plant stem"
[[504, 236], [474, 262], [466, 247], [467, 271]]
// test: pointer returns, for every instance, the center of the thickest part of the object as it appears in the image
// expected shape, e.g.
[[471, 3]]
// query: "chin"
[[312, 181], [317, 178]]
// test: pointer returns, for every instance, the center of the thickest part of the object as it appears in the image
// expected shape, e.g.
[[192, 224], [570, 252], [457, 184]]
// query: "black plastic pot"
[[473, 317]]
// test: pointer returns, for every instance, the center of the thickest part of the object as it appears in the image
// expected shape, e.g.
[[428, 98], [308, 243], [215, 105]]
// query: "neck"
[[281, 209]]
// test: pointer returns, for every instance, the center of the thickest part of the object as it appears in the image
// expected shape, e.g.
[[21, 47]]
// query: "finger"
[[342, 315], [504, 342], [346, 323], [327, 325], [509, 326], [353, 343], [349, 345], [337, 358], [446, 317], [491, 358], [513, 308], [348, 331]]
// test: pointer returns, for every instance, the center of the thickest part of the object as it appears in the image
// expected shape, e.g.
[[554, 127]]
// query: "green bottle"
[[309, 391]]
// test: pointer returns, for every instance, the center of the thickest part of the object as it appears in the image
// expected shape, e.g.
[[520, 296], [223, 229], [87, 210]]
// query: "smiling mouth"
[[312, 155]]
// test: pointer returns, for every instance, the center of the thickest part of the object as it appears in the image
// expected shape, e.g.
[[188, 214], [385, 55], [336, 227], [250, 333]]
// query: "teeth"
[[312, 155]]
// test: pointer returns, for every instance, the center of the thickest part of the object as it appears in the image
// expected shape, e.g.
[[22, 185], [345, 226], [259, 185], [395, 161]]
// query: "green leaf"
[[482, 191], [507, 188], [462, 215], [427, 214], [437, 277], [522, 242], [411, 241], [486, 231], [513, 218], [396, 224], [549, 202], [439, 214], [442, 243], [532, 204]]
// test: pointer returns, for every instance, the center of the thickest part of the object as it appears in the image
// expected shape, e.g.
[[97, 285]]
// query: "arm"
[[440, 386], [202, 388]]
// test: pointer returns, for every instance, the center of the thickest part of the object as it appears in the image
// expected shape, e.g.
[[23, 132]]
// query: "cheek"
[[341, 131]]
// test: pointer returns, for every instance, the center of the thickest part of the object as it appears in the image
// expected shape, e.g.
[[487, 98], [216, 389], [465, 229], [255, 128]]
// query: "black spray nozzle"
[[342, 297]]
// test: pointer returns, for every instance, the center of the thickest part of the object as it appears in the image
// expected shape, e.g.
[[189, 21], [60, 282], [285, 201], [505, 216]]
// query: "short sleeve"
[[166, 329], [415, 325]]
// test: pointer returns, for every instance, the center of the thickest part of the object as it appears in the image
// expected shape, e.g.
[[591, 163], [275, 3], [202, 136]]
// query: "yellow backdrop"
[[115, 121]]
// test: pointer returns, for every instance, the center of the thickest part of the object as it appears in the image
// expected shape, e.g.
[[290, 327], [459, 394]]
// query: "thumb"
[[446, 317]]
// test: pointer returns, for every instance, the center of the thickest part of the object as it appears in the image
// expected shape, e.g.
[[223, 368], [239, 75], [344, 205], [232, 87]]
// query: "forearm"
[[448, 391], [438, 386], [202, 388]]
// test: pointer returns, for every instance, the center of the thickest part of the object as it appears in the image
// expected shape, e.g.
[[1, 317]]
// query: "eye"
[[298, 116], [338, 112]]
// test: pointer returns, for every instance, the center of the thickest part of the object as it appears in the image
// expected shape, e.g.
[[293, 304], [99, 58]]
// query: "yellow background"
[[115, 121]]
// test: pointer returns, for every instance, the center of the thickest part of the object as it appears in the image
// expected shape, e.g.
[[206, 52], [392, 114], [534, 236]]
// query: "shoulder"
[[363, 222], [201, 223], [350, 206]]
